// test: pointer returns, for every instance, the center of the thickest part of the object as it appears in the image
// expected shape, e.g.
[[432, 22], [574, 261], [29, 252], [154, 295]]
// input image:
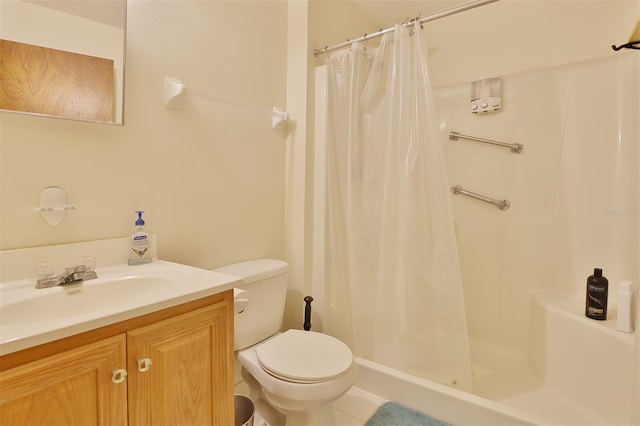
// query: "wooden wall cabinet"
[[53, 82], [172, 369]]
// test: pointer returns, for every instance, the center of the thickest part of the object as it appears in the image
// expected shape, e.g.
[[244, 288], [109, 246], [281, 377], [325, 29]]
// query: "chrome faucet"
[[70, 275]]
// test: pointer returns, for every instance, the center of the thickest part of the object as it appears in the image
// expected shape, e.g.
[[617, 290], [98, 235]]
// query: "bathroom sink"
[[30, 316], [83, 297]]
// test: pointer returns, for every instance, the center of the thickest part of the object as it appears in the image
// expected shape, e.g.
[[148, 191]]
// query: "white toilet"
[[297, 372]]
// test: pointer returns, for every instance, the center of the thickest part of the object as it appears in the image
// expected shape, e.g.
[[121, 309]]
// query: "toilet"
[[297, 372]]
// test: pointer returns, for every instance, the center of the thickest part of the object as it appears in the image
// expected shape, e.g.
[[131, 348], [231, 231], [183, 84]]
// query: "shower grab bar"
[[514, 147], [501, 204]]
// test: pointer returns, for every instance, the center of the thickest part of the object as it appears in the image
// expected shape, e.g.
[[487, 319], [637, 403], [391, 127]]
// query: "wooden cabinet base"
[[171, 367], [71, 388]]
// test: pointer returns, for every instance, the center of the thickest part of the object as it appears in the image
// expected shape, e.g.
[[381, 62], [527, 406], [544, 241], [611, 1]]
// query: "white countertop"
[[30, 316]]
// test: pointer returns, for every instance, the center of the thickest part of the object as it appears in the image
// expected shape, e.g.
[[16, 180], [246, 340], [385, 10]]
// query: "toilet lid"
[[304, 357]]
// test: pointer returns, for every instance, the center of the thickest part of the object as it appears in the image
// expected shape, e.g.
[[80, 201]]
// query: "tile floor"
[[356, 407], [352, 409]]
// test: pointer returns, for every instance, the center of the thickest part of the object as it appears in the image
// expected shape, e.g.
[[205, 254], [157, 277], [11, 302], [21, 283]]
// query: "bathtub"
[[442, 402], [575, 371], [589, 364]]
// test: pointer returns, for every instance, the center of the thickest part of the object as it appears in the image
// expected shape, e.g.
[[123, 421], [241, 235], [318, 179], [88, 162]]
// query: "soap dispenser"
[[139, 243]]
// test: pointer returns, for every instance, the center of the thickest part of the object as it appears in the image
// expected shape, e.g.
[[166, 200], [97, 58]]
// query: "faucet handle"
[[86, 268], [46, 270], [89, 263]]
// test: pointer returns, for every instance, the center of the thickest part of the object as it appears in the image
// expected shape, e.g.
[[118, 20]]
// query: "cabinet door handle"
[[118, 375], [144, 364]]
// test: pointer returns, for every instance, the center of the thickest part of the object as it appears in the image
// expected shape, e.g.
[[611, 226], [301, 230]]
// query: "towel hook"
[[630, 45]]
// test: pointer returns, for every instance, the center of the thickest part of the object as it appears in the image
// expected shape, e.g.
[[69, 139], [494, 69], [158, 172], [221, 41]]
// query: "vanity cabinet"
[[176, 371], [170, 367], [71, 388]]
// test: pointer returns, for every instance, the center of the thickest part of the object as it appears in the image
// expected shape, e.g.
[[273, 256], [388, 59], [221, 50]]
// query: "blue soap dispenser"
[[139, 243]]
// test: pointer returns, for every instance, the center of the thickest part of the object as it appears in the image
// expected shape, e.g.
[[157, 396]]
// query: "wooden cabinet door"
[[190, 378], [70, 388], [54, 82]]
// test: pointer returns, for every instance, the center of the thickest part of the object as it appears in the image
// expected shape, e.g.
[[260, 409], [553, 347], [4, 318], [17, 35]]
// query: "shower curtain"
[[393, 289]]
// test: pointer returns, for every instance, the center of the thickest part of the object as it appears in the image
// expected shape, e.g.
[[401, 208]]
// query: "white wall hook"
[[279, 119], [53, 205], [174, 91]]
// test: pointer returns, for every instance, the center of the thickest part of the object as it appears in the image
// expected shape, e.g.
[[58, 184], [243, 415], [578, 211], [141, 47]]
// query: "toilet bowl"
[[297, 372]]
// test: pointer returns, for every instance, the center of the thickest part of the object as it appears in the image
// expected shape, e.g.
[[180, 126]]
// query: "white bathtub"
[[576, 371], [588, 363], [439, 401]]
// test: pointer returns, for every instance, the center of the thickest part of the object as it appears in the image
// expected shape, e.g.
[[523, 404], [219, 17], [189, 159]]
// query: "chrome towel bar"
[[501, 204], [514, 147]]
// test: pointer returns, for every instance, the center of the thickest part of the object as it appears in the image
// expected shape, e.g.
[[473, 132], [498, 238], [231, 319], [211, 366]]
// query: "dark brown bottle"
[[597, 294]]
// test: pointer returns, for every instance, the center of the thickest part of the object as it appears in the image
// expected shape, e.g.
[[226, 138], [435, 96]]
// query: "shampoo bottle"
[[139, 244], [597, 293]]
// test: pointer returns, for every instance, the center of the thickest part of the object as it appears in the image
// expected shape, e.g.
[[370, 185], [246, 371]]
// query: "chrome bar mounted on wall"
[[501, 204], [514, 147]]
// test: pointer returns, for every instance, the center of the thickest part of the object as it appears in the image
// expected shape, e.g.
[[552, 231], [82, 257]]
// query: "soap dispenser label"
[[140, 245]]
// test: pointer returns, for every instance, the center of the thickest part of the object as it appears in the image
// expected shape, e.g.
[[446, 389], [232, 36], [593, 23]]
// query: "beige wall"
[[210, 176], [513, 36]]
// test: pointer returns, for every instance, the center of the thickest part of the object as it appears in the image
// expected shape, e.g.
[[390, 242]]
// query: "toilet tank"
[[266, 282]]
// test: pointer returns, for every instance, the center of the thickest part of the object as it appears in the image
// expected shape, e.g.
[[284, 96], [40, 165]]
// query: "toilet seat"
[[304, 357]]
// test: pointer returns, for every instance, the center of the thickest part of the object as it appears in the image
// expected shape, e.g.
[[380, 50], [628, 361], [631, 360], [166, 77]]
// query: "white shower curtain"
[[393, 289]]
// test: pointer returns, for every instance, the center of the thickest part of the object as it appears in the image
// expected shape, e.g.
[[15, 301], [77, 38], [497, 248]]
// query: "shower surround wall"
[[573, 190], [574, 200], [574, 195]]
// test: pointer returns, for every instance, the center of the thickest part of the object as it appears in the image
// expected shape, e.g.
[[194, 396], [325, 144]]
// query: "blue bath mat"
[[392, 414]]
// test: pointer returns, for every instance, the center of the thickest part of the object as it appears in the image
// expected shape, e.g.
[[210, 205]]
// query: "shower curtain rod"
[[446, 12]]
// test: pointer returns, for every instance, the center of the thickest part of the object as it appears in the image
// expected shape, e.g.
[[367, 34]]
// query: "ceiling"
[[384, 13], [110, 12]]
